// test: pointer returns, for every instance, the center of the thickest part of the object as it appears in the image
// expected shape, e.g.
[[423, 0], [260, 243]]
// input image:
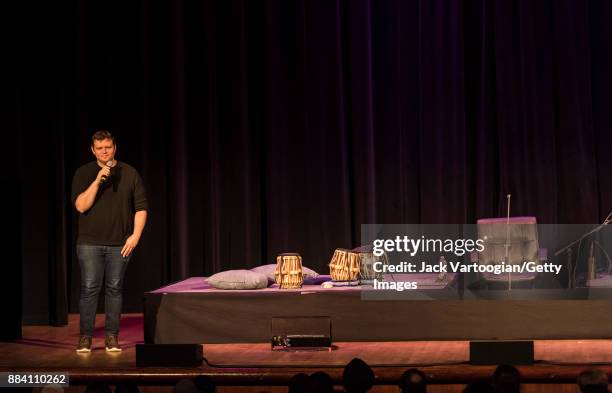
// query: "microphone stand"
[[607, 256], [568, 248], [507, 245]]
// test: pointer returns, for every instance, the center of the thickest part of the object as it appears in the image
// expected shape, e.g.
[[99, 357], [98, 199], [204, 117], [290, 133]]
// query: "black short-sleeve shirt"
[[110, 220]]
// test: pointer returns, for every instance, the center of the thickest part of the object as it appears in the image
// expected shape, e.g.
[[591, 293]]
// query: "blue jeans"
[[98, 263]]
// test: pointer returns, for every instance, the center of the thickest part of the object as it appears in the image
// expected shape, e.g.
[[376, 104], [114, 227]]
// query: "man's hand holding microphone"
[[104, 173]]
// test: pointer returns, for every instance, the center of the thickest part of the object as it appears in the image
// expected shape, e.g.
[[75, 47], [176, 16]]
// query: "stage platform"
[[45, 348], [191, 311]]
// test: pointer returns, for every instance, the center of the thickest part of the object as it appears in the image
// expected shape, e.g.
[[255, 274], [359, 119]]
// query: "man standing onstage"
[[112, 205]]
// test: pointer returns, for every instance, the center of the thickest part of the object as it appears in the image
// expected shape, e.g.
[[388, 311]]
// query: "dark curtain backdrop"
[[262, 127]]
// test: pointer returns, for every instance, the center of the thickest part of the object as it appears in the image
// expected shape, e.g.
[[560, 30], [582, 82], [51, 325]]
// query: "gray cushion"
[[238, 279], [268, 270]]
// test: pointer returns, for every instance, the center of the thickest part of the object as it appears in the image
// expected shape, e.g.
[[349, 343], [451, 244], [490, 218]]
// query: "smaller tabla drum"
[[288, 273], [344, 266], [367, 274]]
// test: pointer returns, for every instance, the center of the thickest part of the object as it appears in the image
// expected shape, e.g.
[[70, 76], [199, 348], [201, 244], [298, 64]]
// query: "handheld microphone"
[[104, 179]]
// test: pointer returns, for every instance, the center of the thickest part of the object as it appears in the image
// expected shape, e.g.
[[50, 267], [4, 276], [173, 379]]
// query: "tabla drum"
[[367, 274], [344, 266], [288, 273]]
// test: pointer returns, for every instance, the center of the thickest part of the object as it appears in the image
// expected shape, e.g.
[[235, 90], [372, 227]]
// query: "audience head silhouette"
[[413, 381], [185, 386], [506, 379], [593, 380], [205, 384], [299, 383], [321, 382], [358, 377]]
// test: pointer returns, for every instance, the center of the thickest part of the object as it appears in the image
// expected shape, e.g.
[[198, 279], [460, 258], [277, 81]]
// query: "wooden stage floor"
[[45, 348]]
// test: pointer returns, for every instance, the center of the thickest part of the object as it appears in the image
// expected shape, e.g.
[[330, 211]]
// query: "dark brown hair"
[[102, 135]]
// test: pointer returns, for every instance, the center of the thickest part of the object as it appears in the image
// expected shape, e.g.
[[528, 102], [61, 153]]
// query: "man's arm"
[[86, 199], [140, 219]]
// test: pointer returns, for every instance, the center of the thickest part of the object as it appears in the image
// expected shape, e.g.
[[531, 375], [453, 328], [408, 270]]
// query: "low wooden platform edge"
[[454, 374]]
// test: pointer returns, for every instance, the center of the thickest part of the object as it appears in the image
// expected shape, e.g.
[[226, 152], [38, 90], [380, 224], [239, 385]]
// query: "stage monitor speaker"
[[169, 355], [501, 352]]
